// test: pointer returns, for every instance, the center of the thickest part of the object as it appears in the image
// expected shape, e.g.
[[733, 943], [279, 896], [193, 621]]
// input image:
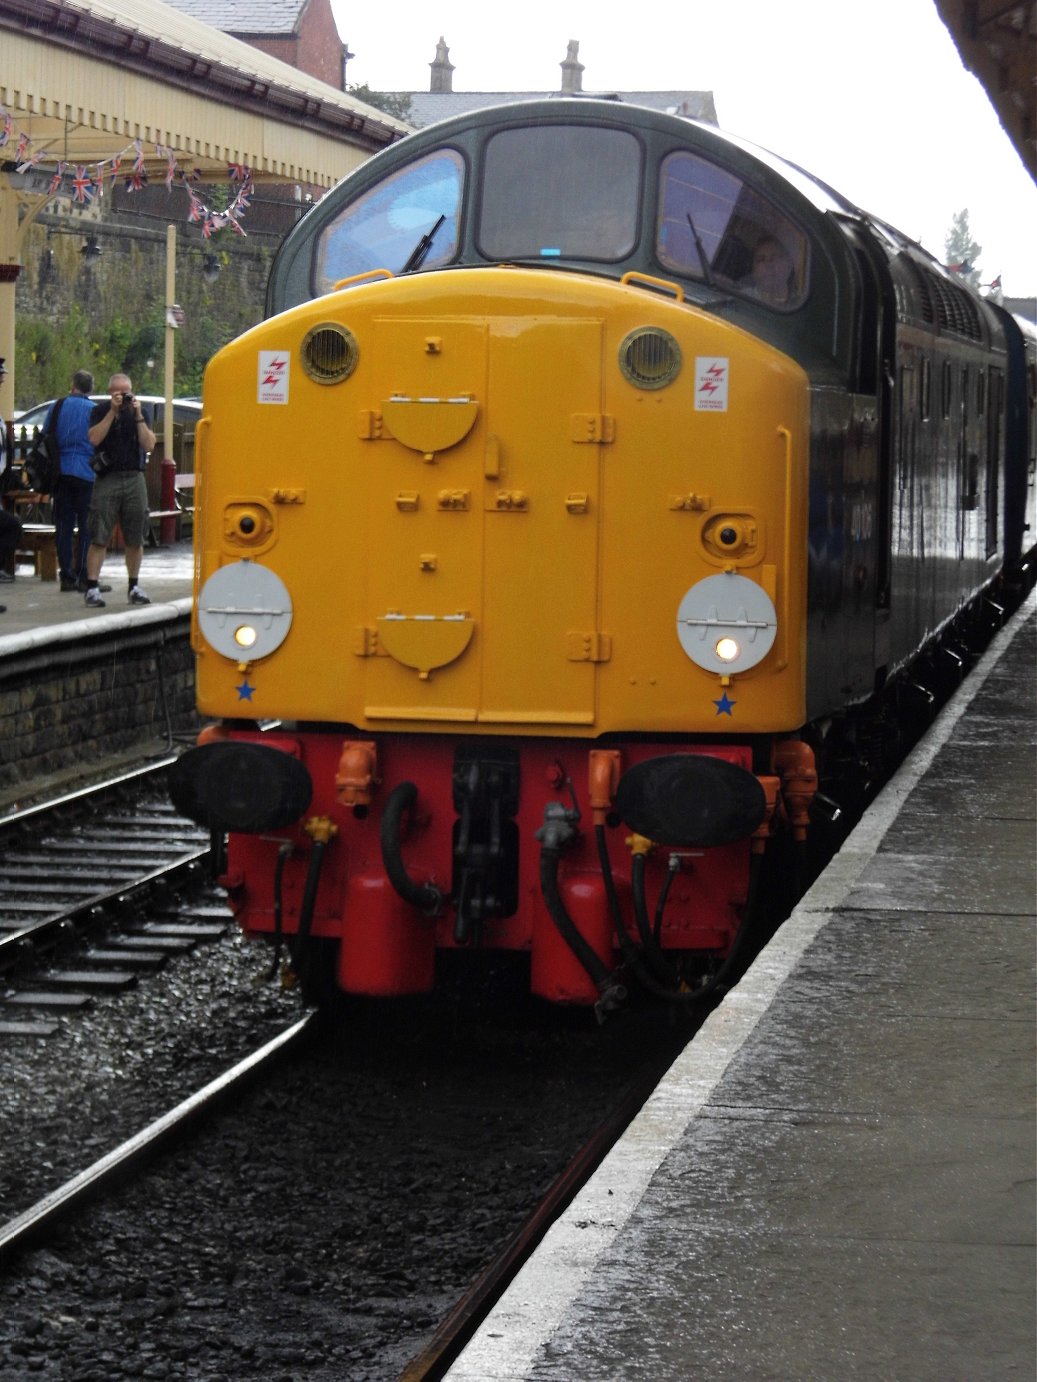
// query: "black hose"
[[309, 904], [424, 896], [612, 994], [283, 854], [632, 957], [660, 966], [217, 851], [567, 929], [660, 906], [626, 945]]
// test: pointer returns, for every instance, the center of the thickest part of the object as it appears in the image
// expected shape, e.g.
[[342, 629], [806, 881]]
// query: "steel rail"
[[13, 943], [458, 1328], [20, 1232]]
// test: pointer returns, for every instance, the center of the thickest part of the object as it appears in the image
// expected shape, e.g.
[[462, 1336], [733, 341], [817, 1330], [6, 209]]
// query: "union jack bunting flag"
[[82, 185]]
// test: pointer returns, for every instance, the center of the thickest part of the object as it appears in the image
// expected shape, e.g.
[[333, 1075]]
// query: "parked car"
[[185, 410], [186, 413]]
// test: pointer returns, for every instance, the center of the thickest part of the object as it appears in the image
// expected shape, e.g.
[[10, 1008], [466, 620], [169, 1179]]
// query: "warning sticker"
[[273, 376], [711, 375]]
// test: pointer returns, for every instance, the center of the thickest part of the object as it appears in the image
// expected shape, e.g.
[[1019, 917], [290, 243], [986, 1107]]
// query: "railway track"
[[32, 1224], [88, 897], [354, 1195]]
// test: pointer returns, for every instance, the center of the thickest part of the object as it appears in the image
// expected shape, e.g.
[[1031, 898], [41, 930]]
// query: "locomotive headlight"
[[244, 607], [726, 623]]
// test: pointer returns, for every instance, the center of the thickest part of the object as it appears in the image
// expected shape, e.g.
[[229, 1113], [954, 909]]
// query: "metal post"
[[167, 424]]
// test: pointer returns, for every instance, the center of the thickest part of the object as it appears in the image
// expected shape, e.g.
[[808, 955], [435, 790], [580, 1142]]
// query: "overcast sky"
[[870, 97]]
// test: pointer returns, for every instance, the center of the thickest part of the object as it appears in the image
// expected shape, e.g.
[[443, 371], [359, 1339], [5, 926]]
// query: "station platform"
[[836, 1177], [35, 607]]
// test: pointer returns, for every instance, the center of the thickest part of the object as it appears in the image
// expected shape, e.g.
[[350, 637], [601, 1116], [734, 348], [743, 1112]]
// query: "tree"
[[395, 103], [961, 250]]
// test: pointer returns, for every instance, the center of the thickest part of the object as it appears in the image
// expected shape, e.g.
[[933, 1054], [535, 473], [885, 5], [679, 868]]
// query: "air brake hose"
[[309, 902], [424, 896], [629, 950], [217, 851], [283, 854], [660, 966], [613, 995], [633, 958]]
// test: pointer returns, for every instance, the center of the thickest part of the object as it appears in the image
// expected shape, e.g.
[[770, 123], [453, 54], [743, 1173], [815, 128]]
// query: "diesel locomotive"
[[592, 473]]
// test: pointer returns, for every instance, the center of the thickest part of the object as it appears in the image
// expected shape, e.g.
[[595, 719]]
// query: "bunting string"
[[85, 183]]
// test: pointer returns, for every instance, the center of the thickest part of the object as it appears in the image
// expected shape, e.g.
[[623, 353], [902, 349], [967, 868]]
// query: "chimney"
[[572, 70], [442, 68]]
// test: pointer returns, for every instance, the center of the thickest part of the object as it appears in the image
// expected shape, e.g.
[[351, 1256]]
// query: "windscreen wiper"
[[421, 249], [707, 272]]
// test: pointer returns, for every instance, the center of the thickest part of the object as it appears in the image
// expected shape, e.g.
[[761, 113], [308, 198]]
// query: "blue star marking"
[[245, 691], [724, 705]]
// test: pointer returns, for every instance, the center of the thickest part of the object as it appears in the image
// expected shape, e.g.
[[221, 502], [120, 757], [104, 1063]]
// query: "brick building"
[[302, 33]]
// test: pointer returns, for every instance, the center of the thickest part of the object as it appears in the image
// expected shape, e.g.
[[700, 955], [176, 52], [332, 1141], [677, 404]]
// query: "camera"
[[127, 399]]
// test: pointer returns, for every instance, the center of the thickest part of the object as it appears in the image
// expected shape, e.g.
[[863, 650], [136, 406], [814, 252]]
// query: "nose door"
[[540, 494], [482, 486]]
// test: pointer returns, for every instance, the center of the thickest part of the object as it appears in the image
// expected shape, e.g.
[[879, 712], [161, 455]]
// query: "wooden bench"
[[36, 544]]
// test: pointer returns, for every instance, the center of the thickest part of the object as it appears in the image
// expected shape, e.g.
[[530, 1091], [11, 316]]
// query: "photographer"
[[120, 431]]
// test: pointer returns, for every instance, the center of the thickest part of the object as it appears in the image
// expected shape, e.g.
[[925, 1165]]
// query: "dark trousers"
[[10, 532], [71, 505]]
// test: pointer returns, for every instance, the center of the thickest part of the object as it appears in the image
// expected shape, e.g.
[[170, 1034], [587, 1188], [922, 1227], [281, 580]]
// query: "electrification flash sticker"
[[711, 375], [273, 376]]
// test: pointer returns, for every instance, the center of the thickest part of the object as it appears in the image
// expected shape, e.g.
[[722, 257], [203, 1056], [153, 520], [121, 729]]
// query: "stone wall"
[[69, 707]]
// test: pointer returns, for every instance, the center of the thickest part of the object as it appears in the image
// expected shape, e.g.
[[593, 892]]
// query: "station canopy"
[[83, 83], [997, 42], [135, 91]]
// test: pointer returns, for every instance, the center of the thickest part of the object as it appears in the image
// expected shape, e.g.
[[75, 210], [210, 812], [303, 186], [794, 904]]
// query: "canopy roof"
[[82, 78], [998, 44]]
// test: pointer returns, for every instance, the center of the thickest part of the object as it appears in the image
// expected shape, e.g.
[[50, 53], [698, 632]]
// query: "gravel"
[[324, 1224]]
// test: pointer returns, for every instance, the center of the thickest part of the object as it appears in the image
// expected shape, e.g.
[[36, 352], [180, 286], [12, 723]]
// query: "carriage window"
[[714, 226], [560, 192], [946, 388], [383, 228]]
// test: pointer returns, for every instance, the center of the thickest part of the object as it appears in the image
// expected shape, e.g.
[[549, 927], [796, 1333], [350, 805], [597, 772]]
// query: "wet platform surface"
[[36, 609], [836, 1178]]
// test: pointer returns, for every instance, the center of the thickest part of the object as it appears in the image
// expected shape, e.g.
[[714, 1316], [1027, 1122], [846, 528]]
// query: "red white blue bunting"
[[85, 183]]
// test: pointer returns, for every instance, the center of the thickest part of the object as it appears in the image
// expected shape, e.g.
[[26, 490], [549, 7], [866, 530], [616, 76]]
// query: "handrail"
[[649, 281], [364, 278]]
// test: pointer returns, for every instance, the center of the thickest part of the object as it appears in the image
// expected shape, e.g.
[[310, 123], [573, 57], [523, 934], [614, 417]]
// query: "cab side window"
[[715, 227]]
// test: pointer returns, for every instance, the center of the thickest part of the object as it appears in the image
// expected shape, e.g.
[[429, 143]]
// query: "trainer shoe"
[[67, 584], [93, 599], [6, 577], [137, 596]]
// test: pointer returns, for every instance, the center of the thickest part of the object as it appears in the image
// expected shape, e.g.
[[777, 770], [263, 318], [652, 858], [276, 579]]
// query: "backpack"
[[44, 461]]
